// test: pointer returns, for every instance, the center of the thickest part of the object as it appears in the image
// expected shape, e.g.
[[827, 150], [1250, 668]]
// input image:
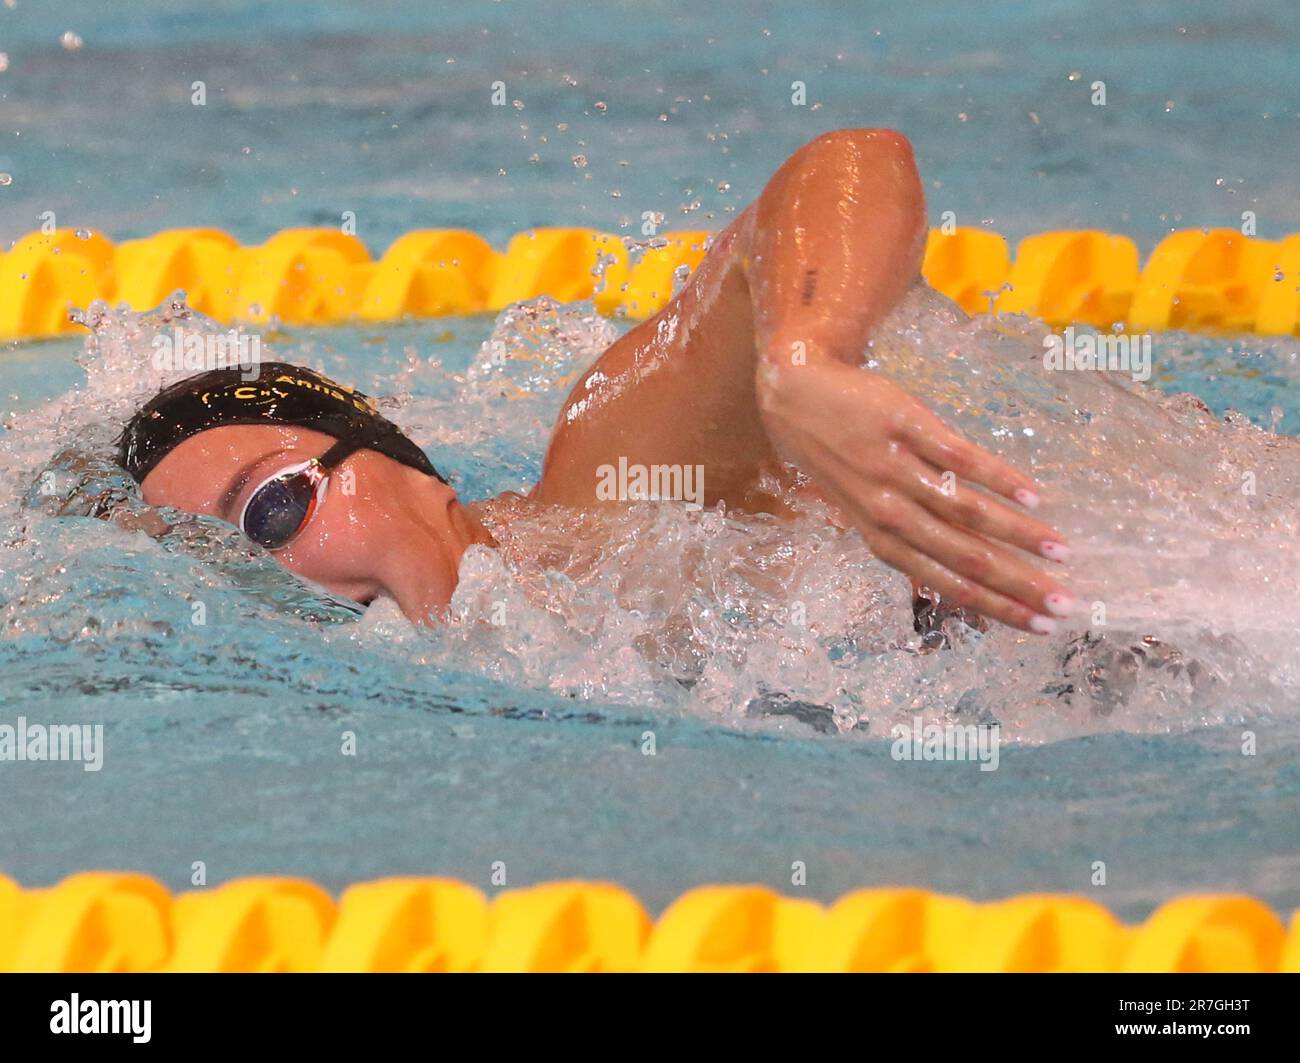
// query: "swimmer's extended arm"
[[759, 356]]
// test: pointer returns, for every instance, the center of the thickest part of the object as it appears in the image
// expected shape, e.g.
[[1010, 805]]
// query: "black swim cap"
[[279, 394]]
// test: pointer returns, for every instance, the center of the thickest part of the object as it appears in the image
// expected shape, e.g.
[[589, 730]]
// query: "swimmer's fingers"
[[943, 448], [957, 502], [962, 592], [986, 565]]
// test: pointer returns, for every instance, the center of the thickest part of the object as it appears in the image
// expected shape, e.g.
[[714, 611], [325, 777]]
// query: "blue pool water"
[[222, 741]]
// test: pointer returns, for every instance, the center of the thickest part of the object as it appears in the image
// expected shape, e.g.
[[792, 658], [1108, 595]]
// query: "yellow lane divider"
[[120, 921], [1200, 280]]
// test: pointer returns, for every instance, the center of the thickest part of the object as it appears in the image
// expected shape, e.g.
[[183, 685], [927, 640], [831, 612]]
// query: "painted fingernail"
[[1026, 498], [1054, 551], [1042, 625], [1060, 604]]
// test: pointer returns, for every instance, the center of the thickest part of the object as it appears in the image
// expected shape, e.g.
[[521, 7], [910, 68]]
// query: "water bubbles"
[[6, 180], [579, 161], [600, 270], [601, 106], [83, 234], [4, 62], [71, 41]]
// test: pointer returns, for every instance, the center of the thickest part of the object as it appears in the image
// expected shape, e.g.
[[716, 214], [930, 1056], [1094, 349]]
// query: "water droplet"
[[601, 106], [579, 161], [71, 41], [6, 179]]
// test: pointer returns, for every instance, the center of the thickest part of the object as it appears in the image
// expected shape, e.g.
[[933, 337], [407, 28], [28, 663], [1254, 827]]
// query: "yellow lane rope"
[[120, 921], [1195, 280]]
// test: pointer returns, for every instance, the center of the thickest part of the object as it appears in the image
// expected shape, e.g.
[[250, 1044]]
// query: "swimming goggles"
[[282, 505]]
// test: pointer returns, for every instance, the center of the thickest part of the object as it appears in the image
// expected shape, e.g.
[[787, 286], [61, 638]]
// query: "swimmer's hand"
[[904, 479]]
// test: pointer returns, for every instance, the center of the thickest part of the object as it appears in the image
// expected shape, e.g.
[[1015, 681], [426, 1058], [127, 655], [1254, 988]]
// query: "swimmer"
[[753, 373]]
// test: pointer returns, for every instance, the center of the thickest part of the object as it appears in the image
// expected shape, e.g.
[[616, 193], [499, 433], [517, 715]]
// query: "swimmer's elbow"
[[885, 145], [877, 163]]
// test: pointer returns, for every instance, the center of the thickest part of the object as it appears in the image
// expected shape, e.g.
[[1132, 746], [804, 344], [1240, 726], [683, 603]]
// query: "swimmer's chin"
[[425, 602], [419, 610], [418, 567], [423, 592]]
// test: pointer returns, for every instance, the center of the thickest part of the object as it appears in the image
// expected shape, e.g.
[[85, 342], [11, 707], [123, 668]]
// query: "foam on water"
[[747, 620]]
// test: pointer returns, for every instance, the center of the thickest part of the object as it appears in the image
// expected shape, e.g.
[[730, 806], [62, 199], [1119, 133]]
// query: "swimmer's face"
[[382, 529]]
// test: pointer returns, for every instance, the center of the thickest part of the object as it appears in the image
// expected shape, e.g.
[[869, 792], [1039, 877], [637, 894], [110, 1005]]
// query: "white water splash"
[[1194, 579], [737, 617]]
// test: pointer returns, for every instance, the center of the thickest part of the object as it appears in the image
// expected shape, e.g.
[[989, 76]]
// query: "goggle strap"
[[345, 448]]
